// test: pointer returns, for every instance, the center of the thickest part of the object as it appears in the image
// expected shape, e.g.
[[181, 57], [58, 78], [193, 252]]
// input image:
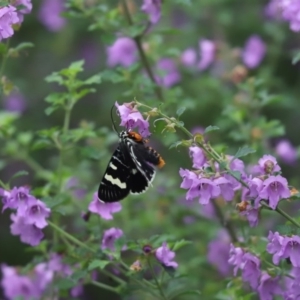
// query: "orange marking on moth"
[[135, 136], [161, 162]]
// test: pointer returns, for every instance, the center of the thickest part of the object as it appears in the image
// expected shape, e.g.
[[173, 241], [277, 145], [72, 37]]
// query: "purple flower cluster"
[[206, 53], [165, 256], [33, 286], [109, 238], [250, 267], [168, 74], [288, 10], [153, 9], [9, 16], [131, 118], [30, 217], [269, 186], [104, 210]]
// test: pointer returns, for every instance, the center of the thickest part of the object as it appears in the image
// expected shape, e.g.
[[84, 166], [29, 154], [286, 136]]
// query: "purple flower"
[[207, 54], [286, 151], [15, 102], [36, 214], [123, 52], [267, 165], [292, 250], [73, 184], [55, 264], [8, 17], [276, 246], [109, 237], [292, 285], [29, 234], [165, 256], [226, 188], [131, 118], [44, 275], [17, 198], [255, 185], [218, 253], [268, 287], [168, 73], [189, 57], [50, 14], [188, 178], [203, 188], [251, 270], [105, 210], [27, 7], [236, 258], [153, 9], [15, 285], [252, 215], [290, 11], [274, 189], [254, 52], [198, 157]]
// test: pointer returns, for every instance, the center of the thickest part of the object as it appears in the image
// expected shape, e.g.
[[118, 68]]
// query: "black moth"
[[131, 168]]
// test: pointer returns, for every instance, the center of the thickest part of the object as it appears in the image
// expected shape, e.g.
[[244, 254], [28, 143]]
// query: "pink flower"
[[254, 52], [165, 256], [8, 17]]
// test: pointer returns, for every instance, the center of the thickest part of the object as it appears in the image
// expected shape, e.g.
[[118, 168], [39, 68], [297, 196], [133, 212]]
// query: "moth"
[[131, 168]]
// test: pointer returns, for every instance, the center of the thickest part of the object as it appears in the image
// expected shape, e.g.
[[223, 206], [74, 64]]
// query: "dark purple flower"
[[286, 151], [251, 270], [198, 157], [105, 210], [274, 189], [168, 72], [29, 234], [236, 258], [218, 253], [207, 54], [109, 237], [123, 52], [26, 9], [15, 102], [268, 287], [189, 57], [226, 188], [165, 256], [254, 52], [50, 14], [205, 189], [276, 246], [8, 17], [18, 286], [268, 165], [36, 214], [131, 118], [153, 9]]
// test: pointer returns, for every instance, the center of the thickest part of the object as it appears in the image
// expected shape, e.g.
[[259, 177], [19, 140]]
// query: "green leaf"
[[6, 118], [180, 111], [170, 270], [65, 283], [94, 79], [112, 76], [79, 274], [236, 174], [49, 110], [175, 145], [180, 244], [22, 46], [97, 263], [211, 128], [135, 30], [55, 77], [90, 152], [19, 174], [244, 151], [4, 2], [184, 2], [296, 58]]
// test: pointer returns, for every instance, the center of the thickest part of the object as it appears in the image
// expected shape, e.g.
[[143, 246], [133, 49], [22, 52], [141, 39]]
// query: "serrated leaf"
[[97, 263], [244, 151], [180, 111], [19, 174], [211, 128], [55, 77]]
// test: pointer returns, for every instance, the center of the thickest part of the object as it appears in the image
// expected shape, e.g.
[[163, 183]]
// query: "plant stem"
[[142, 54], [70, 237], [4, 59], [158, 284], [104, 286], [67, 119]]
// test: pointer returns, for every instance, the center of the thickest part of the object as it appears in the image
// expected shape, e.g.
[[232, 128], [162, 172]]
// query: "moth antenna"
[[112, 120]]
